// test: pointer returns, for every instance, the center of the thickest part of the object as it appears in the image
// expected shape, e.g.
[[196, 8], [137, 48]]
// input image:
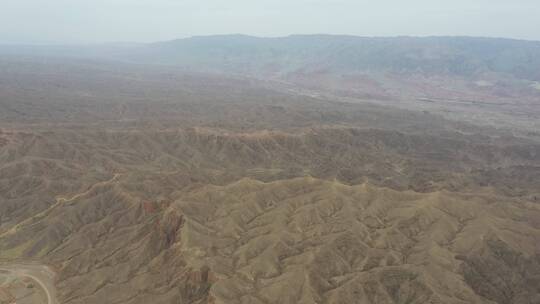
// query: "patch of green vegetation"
[[43, 251], [15, 252]]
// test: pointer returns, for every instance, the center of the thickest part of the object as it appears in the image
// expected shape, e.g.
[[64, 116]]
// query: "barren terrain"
[[132, 183]]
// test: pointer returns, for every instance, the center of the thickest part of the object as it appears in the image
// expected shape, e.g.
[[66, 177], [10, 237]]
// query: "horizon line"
[[56, 43]]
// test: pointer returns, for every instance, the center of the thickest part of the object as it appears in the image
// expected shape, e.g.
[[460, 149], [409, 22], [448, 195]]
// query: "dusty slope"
[[170, 216], [149, 186]]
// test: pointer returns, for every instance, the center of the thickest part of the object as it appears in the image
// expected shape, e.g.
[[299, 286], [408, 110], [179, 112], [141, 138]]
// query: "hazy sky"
[[89, 21]]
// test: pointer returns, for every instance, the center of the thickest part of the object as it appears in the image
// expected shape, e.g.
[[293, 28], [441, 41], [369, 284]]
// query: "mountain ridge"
[[147, 183], [453, 55]]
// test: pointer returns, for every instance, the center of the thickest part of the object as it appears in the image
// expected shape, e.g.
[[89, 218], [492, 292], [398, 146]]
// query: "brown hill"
[[154, 186]]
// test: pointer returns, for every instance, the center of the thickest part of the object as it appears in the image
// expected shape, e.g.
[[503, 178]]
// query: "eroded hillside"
[[154, 186]]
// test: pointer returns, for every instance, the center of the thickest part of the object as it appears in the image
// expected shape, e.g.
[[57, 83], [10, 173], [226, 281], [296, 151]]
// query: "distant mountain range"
[[449, 56]]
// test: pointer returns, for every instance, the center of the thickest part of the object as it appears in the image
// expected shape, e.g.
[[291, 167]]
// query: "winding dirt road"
[[42, 275]]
